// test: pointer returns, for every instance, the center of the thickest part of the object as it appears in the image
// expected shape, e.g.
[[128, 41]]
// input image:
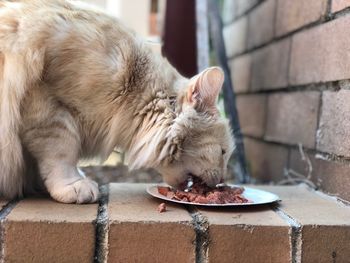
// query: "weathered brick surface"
[[240, 72], [292, 117], [327, 243], [331, 177], [247, 235], [235, 37], [317, 53], [243, 6], [334, 129], [39, 230], [261, 24], [265, 161], [338, 5], [270, 66], [292, 15], [139, 233], [252, 111], [320, 54], [325, 223]]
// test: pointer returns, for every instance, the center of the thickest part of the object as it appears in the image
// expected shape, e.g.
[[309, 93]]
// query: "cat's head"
[[199, 141]]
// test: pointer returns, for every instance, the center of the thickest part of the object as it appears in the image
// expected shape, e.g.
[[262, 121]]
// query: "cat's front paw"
[[81, 192]]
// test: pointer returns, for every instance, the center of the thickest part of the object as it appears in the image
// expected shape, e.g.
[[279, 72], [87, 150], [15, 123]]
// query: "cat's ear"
[[204, 88]]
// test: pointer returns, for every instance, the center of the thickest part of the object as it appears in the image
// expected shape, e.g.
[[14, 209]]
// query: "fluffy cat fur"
[[75, 83]]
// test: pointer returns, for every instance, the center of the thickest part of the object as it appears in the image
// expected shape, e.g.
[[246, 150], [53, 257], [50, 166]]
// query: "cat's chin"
[[175, 180], [187, 181]]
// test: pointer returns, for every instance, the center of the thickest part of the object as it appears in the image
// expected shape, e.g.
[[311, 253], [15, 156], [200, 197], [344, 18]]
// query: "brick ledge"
[[125, 227]]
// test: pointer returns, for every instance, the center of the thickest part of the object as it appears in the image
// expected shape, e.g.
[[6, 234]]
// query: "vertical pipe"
[[202, 35], [216, 27]]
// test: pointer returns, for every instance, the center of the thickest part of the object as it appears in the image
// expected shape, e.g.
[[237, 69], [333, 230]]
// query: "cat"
[[76, 83]]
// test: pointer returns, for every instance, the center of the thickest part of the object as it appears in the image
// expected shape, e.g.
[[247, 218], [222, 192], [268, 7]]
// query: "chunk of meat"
[[163, 190], [161, 208], [202, 194]]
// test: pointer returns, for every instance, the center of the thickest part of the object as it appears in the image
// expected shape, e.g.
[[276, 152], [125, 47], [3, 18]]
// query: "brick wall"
[[290, 63]]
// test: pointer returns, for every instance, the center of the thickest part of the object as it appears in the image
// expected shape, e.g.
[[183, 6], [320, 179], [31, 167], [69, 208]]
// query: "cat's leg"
[[55, 144]]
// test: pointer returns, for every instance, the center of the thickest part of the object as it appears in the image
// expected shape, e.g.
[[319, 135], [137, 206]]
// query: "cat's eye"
[[223, 151]]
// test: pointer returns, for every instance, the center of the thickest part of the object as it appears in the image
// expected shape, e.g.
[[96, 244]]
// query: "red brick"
[[331, 177], [239, 235], [338, 5], [261, 24], [240, 72], [320, 54], [235, 37], [252, 111], [334, 129], [326, 243], [243, 6], [292, 15], [39, 230], [139, 233], [292, 117], [325, 227], [266, 161], [270, 66]]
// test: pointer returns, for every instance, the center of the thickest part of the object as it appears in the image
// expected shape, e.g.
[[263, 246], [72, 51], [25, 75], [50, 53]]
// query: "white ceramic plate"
[[256, 196]]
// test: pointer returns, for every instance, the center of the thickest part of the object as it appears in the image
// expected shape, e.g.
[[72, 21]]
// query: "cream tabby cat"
[[75, 83]]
